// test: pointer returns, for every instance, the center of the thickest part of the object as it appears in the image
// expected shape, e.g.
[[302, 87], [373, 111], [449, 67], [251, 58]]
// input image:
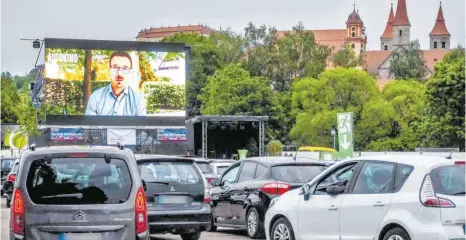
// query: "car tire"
[[254, 225], [212, 227], [8, 202], [191, 236], [396, 233], [282, 227]]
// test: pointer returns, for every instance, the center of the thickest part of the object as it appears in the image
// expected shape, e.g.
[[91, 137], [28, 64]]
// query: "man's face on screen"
[[119, 71]]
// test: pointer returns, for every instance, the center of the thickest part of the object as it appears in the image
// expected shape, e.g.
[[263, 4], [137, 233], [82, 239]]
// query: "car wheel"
[[191, 236], [396, 234], [212, 227], [8, 202], [282, 230], [255, 227]]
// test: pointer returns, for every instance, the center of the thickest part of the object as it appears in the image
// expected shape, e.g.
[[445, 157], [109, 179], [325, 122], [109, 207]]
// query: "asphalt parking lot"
[[222, 233]]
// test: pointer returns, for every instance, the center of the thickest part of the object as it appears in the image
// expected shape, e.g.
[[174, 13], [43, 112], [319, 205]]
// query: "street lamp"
[[334, 133]]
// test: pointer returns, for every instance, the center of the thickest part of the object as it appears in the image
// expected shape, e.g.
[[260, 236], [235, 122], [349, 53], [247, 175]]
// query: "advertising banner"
[[121, 136], [67, 134], [115, 83], [178, 134]]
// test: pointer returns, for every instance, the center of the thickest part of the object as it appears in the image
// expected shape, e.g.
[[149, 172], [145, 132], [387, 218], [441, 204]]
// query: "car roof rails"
[[32, 147], [120, 146]]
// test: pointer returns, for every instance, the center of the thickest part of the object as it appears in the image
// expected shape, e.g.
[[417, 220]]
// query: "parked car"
[[78, 193], [9, 182], [242, 196], [389, 197], [175, 196], [220, 165]]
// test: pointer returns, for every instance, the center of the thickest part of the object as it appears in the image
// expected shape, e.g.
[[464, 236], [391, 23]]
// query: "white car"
[[220, 165], [389, 197]]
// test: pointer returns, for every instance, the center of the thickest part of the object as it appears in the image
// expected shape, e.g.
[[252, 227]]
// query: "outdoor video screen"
[[114, 82]]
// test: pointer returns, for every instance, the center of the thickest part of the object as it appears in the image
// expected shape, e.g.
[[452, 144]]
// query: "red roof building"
[[156, 34]]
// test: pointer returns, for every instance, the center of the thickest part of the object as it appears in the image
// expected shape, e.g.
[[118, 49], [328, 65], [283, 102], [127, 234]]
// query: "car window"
[[341, 175], [375, 178], [230, 176], [296, 173], [402, 173], [260, 170], [205, 167], [247, 171], [221, 169], [72, 181], [449, 180], [169, 171], [7, 164]]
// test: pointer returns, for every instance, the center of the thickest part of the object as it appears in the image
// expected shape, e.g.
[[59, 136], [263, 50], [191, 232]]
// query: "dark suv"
[[78, 193], [242, 196], [175, 196]]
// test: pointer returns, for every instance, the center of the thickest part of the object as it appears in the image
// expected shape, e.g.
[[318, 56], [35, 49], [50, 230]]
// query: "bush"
[[274, 147], [164, 96]]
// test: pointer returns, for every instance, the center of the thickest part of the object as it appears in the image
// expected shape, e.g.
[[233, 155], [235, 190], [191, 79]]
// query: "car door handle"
[[332, 208], [379, 204]]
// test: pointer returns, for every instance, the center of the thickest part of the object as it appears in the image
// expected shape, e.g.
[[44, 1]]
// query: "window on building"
[[401, 33], [444, 44], [435, 44], [353, 46], [385, 48], [353, 32]]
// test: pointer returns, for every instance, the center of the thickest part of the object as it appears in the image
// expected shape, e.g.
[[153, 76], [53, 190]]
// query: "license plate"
[[80, 236], [172, 199]]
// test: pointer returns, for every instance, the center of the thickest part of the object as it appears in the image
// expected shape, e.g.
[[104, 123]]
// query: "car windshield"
[[72, 181], [205, 167], [296, 173], [169, 172], [7, 164], [449, 180], [221, 169]]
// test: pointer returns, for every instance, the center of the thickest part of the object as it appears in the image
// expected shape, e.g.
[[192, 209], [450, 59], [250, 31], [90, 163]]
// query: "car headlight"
[[273, 201]]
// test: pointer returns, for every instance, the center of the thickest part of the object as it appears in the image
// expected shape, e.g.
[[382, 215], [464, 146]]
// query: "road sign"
[[345, 134]]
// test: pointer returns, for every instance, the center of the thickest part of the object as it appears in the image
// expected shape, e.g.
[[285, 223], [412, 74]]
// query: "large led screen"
[[114, 82]]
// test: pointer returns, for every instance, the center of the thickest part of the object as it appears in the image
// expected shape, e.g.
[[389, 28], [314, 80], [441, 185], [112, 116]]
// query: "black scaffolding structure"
[[208, 121]]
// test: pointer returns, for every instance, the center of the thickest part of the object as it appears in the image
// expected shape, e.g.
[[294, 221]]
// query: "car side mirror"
[[334, 190], [215, 182], [144, 185]]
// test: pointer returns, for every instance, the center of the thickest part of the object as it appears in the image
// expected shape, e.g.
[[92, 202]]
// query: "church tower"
[[439, 36], [401, 26], [386, 38], [356, 32]]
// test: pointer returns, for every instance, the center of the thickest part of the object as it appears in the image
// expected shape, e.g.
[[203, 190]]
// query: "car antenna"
[[449, 157]]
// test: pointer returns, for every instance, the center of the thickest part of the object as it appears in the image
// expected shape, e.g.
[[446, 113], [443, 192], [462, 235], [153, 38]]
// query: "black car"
[[7, 165], [242, 196], [175, 196]]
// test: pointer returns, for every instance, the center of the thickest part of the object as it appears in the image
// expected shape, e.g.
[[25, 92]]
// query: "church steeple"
[[386, 37], [439, 36], [401, 26], [356, 37]]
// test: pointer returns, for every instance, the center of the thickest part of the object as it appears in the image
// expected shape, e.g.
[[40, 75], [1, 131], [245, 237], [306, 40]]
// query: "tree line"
[[258, 73]]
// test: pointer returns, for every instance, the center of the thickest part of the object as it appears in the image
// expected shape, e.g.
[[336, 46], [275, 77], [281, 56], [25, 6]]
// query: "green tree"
[[408, 62], [9, 99], [316, 102], [230, 45], [443, 124], [346, 58], [232, 91], [274, 148], [204, 61]]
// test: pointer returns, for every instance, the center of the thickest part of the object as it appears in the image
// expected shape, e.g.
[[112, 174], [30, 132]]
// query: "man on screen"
[[118, 98]]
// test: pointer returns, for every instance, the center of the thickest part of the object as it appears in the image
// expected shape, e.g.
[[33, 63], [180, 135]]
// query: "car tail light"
[[11, 177], [141, 211], [428, 197], [17, 213], [77, 155], [459, 162], [209, 180], [207, 199], [277, 188]]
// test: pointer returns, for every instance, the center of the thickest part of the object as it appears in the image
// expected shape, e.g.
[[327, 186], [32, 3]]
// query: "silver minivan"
[[68, 193]]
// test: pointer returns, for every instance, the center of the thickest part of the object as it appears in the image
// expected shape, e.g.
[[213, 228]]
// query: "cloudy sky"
[[122, 20]]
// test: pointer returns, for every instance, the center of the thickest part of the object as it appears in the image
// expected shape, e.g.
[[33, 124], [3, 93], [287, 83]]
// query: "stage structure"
[[230, 132]]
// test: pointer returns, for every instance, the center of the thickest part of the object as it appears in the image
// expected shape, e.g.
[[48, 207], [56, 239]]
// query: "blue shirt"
[[103, 102]]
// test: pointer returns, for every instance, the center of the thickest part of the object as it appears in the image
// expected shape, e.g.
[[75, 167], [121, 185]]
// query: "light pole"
[[334, 133]]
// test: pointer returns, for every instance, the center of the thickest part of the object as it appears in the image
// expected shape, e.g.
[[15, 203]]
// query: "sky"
[[122, 20]]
